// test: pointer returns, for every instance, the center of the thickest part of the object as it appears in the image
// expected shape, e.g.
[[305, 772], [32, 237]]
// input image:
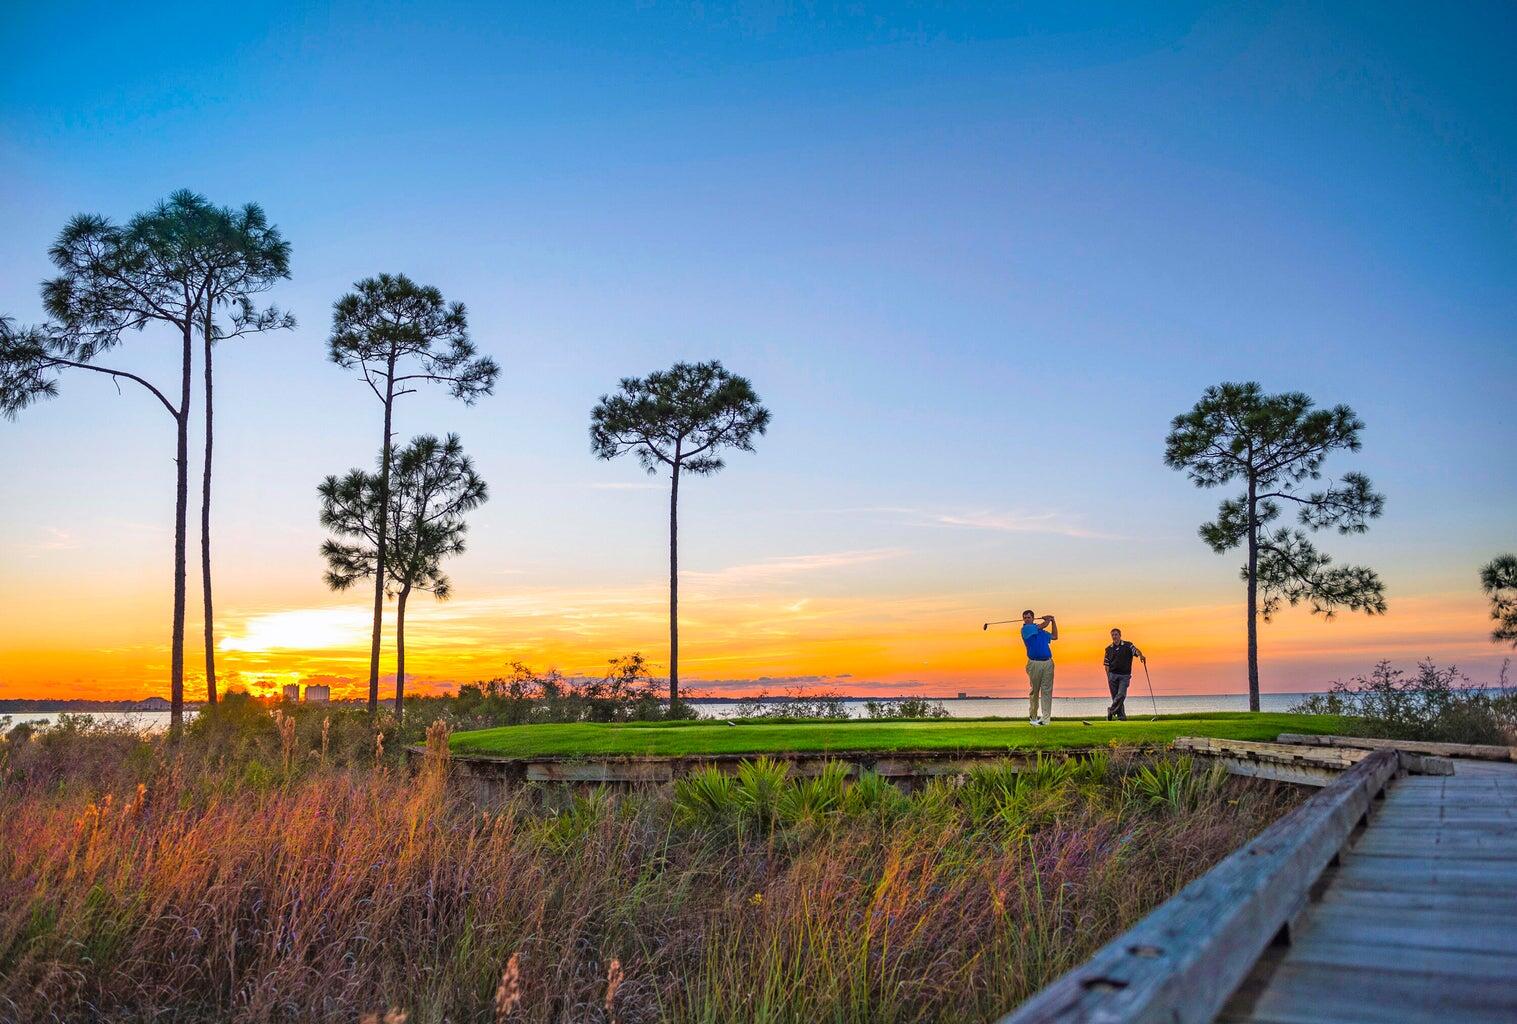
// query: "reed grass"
[[309, 891]]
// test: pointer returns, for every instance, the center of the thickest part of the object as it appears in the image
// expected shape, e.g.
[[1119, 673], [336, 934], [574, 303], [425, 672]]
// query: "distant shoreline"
[[28, 705]]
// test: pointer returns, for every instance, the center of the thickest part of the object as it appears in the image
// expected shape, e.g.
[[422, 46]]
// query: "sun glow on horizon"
[[739, 642], [302, 629]]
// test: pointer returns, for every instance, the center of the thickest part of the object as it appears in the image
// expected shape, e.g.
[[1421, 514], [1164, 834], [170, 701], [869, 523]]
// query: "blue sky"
[[973, 262]]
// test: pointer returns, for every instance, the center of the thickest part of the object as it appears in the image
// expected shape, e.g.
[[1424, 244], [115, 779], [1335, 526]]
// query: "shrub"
[[1437, 704], [798, 702], [706, 798], [875, 796], [627, 692], [759, 789], [905, 707], [1092, 770], [810, 799], [1174, 785]]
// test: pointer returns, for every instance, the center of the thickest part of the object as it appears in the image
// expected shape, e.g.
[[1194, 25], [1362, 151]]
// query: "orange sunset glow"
[[753, 629]]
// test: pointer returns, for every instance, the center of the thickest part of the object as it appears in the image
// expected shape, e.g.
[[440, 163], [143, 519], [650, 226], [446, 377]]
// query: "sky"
[[972, 260]]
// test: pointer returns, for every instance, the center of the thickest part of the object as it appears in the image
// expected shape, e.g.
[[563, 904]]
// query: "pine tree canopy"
[[1275, 445], [681, 417]]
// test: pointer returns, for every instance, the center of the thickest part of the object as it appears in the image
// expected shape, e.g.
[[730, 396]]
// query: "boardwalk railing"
[[1180, 964]]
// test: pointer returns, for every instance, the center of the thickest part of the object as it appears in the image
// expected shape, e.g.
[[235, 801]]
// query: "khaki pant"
[[1040, 682]]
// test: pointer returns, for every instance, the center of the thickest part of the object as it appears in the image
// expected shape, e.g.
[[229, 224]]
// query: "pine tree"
[[681, 418], [1273, 444]]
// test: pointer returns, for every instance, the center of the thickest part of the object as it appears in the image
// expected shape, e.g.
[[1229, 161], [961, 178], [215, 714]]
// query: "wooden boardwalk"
[[1417, 922], [1386, 898]]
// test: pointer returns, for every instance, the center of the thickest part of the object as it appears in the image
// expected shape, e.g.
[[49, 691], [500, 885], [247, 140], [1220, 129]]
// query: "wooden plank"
[[1316, 764], [1414, 866], [1397, 826], [900, 768], [1457, 787], [1180, 963], [1487, 769], [598, 771], [1464, 817], [1351, 953], [1456, 799], [1400, 946], [1273, 761], [1300, 774], [1426, 929], [1306, 993], [1280, 752], [1471, 848], [1466, 877], [1471, 750], [1492, 804], [1425, 764], [1411, 901], [1496, 804]]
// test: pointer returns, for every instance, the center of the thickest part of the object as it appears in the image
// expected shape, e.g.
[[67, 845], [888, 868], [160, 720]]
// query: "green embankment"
[[778, 736]]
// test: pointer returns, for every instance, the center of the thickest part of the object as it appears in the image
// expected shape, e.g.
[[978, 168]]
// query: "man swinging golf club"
[[1118, 663], [1039, 665]]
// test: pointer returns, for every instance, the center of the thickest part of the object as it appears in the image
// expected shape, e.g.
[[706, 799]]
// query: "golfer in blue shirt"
[[1039, 665]]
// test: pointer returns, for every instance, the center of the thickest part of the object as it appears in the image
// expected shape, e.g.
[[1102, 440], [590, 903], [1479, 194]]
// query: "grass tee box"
[[778, 736]]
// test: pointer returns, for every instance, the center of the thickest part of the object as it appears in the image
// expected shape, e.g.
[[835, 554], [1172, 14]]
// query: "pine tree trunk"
[[205, 526], [379, 547], [1253, 601], [674, 586], [400, 654], [181, 530]]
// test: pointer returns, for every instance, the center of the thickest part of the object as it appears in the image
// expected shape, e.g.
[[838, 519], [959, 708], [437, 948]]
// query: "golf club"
[[1002, 622], [1151, 689]]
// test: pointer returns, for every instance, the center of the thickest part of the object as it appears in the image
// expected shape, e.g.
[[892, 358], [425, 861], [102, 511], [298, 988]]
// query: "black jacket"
[[1119, 657]]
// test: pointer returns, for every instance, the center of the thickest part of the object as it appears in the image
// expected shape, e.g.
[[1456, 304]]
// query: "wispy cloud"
[[1013, 521], [1020, 522], [52, 539], [786, 566]]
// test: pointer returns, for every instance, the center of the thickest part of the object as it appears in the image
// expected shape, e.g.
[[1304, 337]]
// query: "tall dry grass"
[[330, 894]]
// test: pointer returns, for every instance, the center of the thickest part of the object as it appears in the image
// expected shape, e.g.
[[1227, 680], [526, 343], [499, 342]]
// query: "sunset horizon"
[[972, 271], [682, 512]]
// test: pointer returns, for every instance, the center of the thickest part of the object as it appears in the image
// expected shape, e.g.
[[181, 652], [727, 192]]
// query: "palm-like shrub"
[[706, 797], [759, 791], [873, 794], [1174, 785], [810, 799]]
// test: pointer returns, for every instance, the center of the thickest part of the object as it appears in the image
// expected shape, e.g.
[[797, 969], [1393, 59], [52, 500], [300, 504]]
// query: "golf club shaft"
[[1151, 696]]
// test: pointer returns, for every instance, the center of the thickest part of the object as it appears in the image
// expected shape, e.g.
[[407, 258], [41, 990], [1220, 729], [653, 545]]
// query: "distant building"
[[318, 694], [292, 692], [963, 695]]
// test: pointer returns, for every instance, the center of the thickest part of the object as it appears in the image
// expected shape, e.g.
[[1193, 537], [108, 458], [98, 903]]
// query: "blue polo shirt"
[[1037, 641]]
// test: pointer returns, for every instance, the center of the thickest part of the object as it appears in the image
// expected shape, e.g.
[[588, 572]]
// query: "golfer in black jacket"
[[1118, 662]]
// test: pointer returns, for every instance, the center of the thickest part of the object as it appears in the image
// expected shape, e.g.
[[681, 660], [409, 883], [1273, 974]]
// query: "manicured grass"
[[779, 736]]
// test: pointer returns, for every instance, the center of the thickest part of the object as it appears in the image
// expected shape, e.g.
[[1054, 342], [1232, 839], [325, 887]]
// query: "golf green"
[[777, 736]]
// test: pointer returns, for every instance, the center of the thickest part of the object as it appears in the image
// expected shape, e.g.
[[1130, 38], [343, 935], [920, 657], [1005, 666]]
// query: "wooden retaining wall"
[[491, 777]]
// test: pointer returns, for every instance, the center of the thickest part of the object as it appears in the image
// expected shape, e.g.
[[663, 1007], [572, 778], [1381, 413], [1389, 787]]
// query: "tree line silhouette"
[[196, 269]]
